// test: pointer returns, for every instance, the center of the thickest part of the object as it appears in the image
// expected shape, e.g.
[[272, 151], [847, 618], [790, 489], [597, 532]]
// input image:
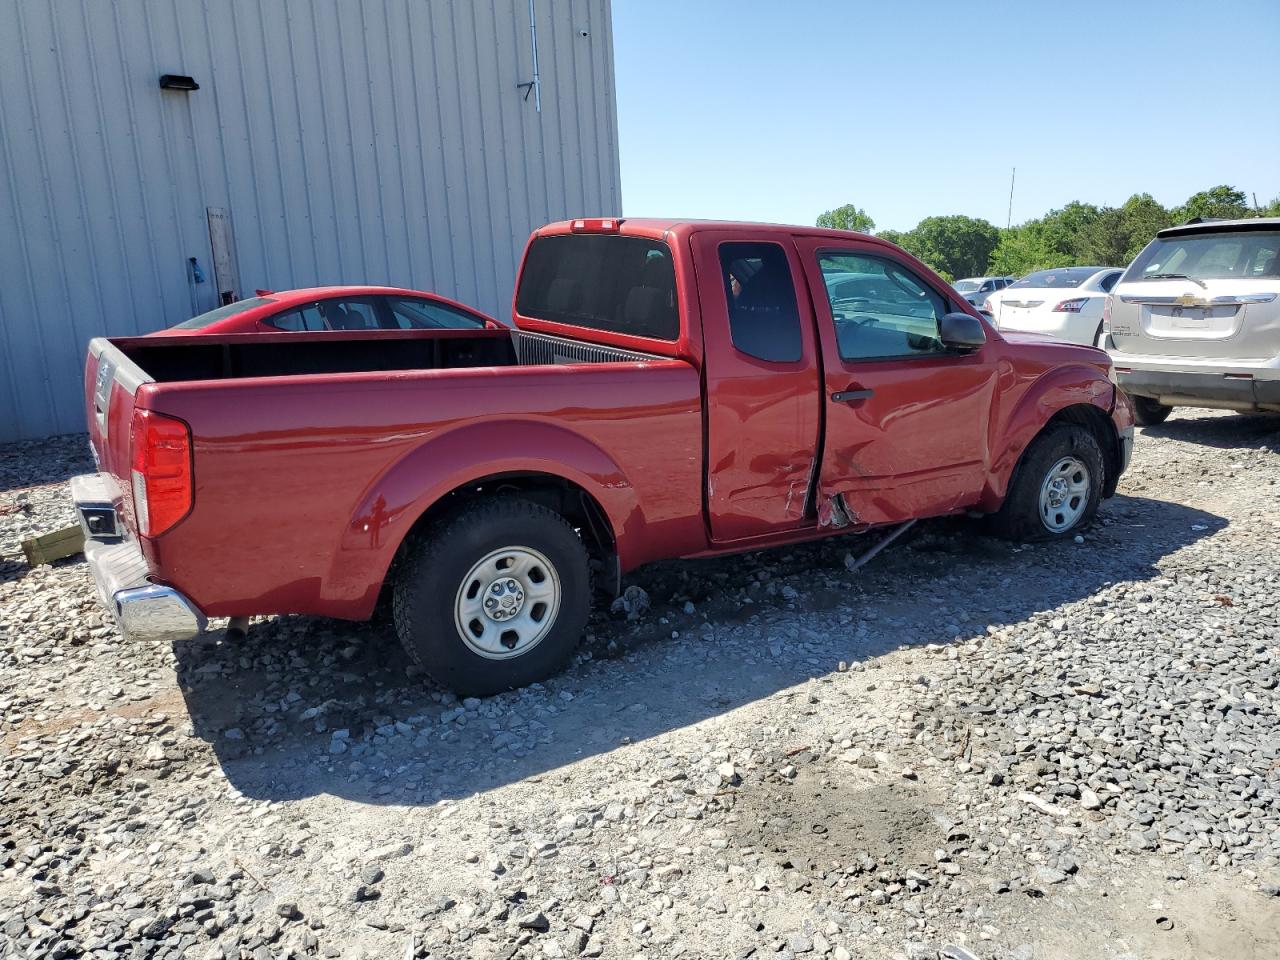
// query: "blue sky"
[[743, 109]]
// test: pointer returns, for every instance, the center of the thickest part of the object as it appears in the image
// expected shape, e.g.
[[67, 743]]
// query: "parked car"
[[669, 389], [1195, 320], [336, 308], [1065, 303], [977, 289]]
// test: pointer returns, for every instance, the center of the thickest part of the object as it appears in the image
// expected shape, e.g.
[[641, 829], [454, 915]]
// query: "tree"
[[1105, 240], [1222, 202], [1076, 234], [848, 217], [1066, 226], [1118, 234], [899, 237], [1028, 247], [956, 245]]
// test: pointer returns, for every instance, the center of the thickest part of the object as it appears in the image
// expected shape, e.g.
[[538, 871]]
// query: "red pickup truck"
[[669, 389]]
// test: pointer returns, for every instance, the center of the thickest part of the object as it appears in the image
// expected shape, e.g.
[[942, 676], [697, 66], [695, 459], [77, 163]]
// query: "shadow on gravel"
[[1239, 432], [763, 622]]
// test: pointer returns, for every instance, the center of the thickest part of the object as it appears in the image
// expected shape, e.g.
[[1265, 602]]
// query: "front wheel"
[[494, 598], [1148, 412], [1056, 489]]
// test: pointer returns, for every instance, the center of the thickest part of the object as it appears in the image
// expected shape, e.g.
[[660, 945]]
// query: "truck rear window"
[[602, 282]]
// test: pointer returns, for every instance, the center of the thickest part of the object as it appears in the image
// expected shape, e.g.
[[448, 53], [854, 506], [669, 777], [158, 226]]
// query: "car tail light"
[[161, 474], [596, 225], [1106, 315], [1071, 306]]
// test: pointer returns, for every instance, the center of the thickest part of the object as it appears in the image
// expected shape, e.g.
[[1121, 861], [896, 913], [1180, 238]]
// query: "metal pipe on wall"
[[533, 39]]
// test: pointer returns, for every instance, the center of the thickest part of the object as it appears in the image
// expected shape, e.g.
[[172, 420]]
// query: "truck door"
[[763, 390], [907, 420]]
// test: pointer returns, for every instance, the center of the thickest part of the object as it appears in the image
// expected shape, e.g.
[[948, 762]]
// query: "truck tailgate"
[[112, 382]]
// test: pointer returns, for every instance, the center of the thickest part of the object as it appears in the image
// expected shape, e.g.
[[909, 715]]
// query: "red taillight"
[[596, 225], [1071, 306], [161, 474]]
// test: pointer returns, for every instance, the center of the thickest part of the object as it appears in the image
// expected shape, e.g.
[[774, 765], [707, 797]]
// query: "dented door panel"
[[912, 441], [762, 417]]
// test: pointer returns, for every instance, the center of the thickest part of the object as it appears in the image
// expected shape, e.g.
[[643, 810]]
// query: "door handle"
[[849, 396]]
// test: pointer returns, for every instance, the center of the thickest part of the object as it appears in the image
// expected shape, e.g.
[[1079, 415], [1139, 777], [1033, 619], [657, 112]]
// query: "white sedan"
[[1065, 303]]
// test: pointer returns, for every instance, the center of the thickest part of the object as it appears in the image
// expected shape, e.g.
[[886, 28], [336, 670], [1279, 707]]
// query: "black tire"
[[1020, 517], [1148, 412], [430, 578]]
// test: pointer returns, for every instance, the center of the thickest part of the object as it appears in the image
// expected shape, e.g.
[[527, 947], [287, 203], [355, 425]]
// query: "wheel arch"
[[1075, 394], [544, 462], [1098, 423], [563, 496]]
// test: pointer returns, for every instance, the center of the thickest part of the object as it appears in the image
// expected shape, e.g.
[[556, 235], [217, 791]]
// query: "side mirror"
[[961, 331]]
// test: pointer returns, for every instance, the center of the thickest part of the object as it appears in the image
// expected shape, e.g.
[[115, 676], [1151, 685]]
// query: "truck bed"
[[235, 356], [313, 455]]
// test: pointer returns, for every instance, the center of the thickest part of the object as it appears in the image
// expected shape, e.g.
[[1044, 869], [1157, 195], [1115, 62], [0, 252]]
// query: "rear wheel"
[[1056, 487], [1148, 412], [494, 598]]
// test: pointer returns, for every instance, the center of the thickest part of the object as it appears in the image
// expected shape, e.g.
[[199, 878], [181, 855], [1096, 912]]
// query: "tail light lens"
[[1106, 315], [1071, 306], [161, 471]]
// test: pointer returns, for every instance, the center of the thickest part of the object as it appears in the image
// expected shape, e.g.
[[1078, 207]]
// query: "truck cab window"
[[880, 308], [763, 319]]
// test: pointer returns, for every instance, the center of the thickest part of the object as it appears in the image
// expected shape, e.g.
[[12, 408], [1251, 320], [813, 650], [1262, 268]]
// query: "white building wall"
[[350, 141]]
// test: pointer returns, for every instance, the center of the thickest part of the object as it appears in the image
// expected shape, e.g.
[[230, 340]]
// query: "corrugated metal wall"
[[382, 141]]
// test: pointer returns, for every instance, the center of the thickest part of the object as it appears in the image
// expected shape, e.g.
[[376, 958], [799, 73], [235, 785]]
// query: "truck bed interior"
[[174, 359]]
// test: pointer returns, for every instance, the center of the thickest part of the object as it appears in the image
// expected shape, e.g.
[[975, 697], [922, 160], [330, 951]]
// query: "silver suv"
[[1195, 320]]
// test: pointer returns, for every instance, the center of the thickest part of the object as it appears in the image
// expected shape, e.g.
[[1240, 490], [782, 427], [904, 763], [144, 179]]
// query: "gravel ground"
[[967, 749]]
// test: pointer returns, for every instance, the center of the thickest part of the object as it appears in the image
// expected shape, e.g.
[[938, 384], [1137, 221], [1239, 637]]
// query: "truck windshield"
[[221, 313], [603, 282], [966, 286], [1210, 256]]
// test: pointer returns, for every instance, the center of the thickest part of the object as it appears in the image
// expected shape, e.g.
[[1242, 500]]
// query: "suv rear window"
[[603, 282], [1245, 254]]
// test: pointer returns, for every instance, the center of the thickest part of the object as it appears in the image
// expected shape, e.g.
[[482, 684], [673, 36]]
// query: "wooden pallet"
[[48, 547]]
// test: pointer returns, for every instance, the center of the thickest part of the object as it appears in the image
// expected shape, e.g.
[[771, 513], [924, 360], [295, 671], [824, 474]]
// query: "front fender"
[[1052, 392], [467, 454]]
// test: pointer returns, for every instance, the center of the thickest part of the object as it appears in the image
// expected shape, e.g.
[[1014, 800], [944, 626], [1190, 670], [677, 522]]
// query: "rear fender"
[[1053, 392], [452, 461]]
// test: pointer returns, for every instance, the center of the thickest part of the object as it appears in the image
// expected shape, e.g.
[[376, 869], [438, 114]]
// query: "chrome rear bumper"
[[145, 611]]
